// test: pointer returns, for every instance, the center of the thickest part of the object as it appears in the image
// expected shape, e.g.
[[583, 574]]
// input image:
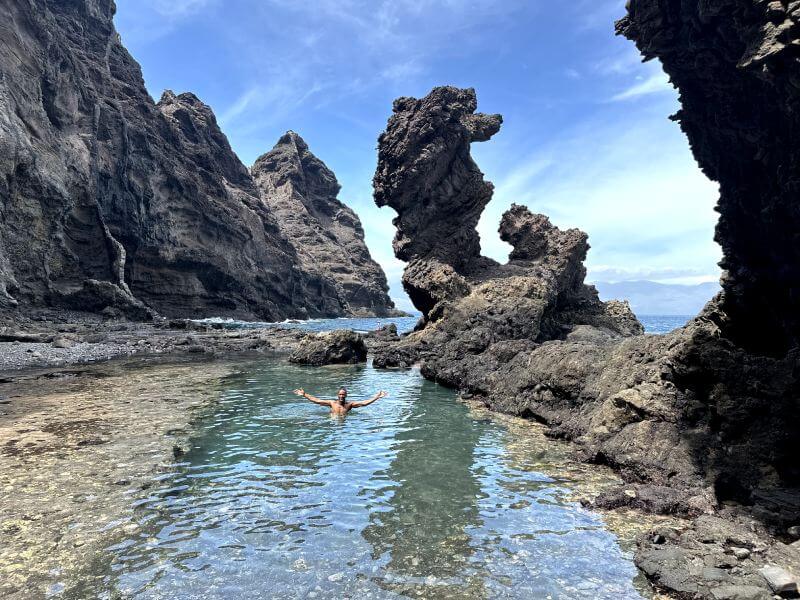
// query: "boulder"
[[334, 347], [387, 332]]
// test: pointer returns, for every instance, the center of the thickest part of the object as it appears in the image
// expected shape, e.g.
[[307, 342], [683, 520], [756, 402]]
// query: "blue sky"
[[586, 137]]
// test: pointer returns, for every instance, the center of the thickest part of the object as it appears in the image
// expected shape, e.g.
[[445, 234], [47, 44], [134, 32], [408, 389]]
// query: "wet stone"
[[780, 580]]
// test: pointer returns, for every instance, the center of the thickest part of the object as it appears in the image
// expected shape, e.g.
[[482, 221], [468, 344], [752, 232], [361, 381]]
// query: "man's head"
[[342, 394]]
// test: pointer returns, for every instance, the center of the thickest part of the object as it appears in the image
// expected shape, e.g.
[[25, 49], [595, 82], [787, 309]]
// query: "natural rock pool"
[[418, 495]]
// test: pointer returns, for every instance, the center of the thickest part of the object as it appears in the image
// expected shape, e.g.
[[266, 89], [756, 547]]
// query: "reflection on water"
[[414, 496]]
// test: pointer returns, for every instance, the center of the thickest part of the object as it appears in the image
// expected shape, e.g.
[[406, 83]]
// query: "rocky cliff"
[[109, 199], [325, 235], [735, 64]]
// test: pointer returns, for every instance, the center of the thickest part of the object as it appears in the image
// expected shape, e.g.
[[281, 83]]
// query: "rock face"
[[735, 65], [325, 235], [99, 183], [333, 347]]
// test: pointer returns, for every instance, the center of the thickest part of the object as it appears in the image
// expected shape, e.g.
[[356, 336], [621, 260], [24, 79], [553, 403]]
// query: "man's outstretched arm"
[[377, 396], [313, 399]]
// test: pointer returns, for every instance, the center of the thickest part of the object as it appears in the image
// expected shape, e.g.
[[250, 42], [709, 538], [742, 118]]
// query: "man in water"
[[340, 406]]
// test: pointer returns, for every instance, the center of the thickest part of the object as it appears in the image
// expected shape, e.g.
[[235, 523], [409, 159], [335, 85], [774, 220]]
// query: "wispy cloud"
[[615, 274], [644, 205], [597, 14], [274, 100], [402, 71], [657, 83], [178, 8], [156, 19]]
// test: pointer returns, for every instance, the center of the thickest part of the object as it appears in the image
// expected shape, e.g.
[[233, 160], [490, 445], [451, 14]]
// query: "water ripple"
[[413, 496]]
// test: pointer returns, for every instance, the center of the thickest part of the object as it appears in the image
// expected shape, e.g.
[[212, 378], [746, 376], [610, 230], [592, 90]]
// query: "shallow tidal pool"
[[417, 495]]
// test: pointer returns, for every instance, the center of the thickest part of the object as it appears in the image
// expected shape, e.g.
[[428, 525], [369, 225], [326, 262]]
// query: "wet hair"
[[340, 389]]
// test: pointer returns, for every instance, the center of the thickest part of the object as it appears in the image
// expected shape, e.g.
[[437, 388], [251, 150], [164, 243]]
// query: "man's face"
[[342, 395]]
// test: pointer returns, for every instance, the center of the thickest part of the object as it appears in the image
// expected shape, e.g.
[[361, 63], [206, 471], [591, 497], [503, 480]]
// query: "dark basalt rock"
[[424, 153], [334, 347], [735, 65], [99, 183], [426, 173], [325, 235], [706, 411], [100, 296], [387, 332]]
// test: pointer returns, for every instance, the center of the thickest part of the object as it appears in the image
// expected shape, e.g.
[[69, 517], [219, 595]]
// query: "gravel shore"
[[62, 339]]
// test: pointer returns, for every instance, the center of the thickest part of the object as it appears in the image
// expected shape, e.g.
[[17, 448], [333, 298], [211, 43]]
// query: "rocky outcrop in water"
[[329, 348], [694, 412], [426, 174], [325, 235], [472, 303], [99, 183]]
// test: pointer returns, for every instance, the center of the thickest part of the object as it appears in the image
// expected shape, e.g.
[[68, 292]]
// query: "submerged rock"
[[334, 347]]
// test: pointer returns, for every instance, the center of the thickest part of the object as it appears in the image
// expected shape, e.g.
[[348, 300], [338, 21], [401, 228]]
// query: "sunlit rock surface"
[[100, 183], [691, 410], [325, 234]]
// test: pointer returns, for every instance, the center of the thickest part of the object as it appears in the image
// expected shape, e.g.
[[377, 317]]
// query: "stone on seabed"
[[779, 579]]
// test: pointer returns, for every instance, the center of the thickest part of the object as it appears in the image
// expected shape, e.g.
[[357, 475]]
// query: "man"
[[341, 406]]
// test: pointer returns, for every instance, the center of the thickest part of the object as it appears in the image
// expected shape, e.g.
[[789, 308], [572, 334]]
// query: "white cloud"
[[612, 274], [269, 103], [657, 83], [179, 8], [402, 71], [632, 185], [152, 20], [597, 14]]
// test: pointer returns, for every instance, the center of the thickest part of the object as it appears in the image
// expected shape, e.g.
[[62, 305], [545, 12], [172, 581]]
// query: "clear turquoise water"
[[663, 323], [416, 496]]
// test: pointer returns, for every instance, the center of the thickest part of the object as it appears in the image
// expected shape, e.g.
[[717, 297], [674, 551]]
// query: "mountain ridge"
[[111, 200]]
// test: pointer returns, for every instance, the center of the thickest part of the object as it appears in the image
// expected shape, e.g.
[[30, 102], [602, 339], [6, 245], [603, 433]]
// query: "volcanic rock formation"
[[99, 183], [703, 416], [341, 346], [325, 235], [425, 172], [532, 339]]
